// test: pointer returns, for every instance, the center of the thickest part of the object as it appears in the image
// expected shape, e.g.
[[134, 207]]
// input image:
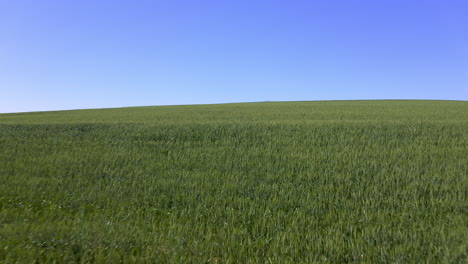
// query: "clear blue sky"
[[110, 53]]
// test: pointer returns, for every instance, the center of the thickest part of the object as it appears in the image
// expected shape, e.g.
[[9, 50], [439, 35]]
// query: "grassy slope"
[[343, 181]]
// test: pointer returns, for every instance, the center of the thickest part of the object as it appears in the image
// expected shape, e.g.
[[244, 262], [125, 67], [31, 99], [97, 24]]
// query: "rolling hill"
[[273, 182]]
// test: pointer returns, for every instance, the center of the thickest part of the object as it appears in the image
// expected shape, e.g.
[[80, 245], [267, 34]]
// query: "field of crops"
[[289, 182]]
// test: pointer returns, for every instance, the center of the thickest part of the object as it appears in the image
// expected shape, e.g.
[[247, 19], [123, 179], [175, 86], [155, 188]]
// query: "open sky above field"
[[93, 54]]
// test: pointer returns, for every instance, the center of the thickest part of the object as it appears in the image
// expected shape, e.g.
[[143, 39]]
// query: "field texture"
[[293, 182]]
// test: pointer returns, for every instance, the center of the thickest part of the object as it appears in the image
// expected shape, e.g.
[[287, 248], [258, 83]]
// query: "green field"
[[286, 182]]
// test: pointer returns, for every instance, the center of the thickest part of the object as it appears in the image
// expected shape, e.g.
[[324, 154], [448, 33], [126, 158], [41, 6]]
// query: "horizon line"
[[243, 102]]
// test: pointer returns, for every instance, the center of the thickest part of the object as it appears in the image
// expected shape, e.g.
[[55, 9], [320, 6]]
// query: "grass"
[[292, 182]]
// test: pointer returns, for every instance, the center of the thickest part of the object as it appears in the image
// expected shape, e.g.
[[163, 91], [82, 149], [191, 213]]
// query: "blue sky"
[[94, 54]]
